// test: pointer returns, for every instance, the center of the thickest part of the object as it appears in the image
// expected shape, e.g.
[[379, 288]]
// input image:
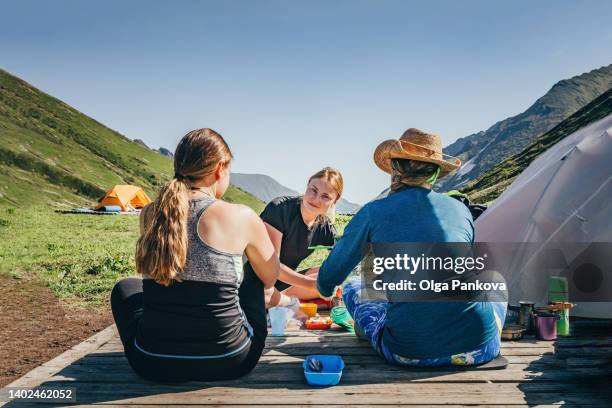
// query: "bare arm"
[[288, 275], [260, 251]]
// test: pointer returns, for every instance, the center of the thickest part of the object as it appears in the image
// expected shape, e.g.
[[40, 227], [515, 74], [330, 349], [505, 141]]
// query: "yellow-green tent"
[[124, 196]]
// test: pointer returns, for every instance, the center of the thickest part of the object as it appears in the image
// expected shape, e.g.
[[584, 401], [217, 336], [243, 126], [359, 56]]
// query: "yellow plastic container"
[[309, 308]]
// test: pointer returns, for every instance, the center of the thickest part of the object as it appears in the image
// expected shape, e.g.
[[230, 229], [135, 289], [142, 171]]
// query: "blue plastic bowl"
[[329, 375]]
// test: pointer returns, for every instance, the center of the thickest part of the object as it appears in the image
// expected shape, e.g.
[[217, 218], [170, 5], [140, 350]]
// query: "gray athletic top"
[[205, 263]]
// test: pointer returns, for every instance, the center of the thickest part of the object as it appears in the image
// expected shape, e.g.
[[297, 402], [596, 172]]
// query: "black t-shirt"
[[283, 213]]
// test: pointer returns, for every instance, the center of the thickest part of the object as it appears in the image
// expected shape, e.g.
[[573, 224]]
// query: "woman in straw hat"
[[424, 333]]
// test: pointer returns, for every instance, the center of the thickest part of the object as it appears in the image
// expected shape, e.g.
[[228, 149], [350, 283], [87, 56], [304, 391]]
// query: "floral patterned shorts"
[[370, 317]]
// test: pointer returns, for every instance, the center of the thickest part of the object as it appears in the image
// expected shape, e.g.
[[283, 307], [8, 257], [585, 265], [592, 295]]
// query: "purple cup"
[[546, 326]]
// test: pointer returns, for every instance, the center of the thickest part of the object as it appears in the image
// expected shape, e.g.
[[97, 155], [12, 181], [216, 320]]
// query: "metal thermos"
[[526, 316]]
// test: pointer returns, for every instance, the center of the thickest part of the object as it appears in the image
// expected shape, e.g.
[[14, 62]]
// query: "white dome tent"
[[564, 196]]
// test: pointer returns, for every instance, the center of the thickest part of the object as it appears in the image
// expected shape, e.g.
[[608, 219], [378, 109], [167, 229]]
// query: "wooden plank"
[[352, 341], [546, 360], [588, 361], [345, 342], [303, 350], [300, 350], [566, 342], [327, 404], [600, 352], [367, 394], [291, 372], [365, 349], [372, 358]]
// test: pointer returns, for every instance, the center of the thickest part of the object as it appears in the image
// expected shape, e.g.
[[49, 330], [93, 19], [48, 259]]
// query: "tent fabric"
[[124, 196], [563, 196]]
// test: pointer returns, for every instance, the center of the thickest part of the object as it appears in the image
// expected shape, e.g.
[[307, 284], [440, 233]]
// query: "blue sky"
[[294, 86]]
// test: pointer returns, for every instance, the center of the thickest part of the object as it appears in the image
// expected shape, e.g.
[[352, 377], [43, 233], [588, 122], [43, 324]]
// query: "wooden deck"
[[571, 371]]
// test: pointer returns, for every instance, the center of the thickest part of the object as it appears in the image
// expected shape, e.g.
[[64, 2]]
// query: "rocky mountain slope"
[[483, 150], [493, 182]]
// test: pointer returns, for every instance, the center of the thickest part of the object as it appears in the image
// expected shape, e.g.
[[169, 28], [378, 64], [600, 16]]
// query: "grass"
[[80, 257], [236, 195], [319, 255], [53, 154]]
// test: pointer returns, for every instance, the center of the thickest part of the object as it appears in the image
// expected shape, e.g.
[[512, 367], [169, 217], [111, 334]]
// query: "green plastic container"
[[557, 289], [558, 292], [563, 326], [342, 318]]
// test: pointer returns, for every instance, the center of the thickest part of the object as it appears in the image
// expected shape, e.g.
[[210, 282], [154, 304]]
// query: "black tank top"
[[199, 317]]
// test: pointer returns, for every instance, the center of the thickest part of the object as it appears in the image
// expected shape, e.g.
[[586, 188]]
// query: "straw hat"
[[415, 145]]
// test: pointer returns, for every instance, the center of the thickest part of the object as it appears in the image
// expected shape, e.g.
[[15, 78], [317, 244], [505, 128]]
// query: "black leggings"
[[127, 306]]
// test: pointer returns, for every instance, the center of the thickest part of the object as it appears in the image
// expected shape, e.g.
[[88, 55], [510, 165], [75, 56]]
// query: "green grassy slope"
[[236, 195], [492, 183], [51, 153]]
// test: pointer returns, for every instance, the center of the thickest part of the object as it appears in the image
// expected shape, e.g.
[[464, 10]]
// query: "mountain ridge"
[[482, 150], [492, 183]]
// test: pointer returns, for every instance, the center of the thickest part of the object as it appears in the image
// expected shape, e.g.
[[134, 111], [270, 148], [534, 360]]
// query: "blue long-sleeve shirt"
[[413, 329]]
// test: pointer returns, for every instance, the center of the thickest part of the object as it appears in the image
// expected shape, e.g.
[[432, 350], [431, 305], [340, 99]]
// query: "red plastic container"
[[317, 325]]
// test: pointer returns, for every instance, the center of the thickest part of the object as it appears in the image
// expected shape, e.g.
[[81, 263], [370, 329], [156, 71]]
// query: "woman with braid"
[[196, 315]]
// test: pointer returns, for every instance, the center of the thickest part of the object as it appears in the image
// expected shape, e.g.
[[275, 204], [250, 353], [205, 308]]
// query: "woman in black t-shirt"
[[297, 223]]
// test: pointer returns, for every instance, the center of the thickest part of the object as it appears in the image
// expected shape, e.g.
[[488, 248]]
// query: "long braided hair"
[[161, 250]]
